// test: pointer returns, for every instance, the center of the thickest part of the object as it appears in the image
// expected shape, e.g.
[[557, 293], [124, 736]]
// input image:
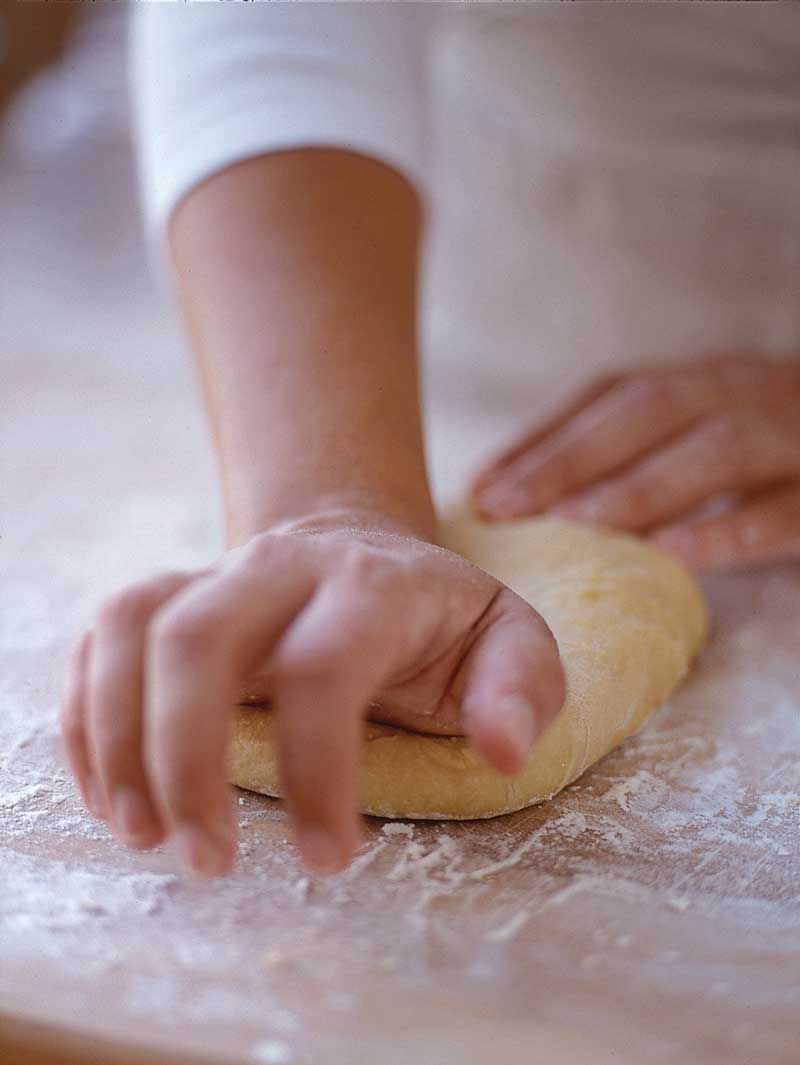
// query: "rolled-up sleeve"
[[215, 83]]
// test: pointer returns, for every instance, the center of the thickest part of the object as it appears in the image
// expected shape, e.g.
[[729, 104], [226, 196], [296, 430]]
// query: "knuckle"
[[255, 552], [645, 391], [127, 608], [604, 381], [317, 663], [181, 631], [132, 606], [726, 436], [365, 565]]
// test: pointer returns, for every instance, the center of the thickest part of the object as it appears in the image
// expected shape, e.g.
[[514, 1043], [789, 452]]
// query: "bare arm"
[[297, 273]]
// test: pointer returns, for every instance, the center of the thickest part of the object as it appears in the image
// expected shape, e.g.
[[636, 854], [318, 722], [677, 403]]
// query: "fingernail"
[[320, 851], [519, 720], [200, 852], [132, 814], [504, 501]]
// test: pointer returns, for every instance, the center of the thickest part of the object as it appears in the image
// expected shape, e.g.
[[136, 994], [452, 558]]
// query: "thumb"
[[514, 684]]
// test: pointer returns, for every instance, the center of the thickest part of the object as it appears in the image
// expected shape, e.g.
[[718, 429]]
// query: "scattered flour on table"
[[509, 930], [679, 903], [40, 896], [625, 837], [271, 1052], [622, 791]]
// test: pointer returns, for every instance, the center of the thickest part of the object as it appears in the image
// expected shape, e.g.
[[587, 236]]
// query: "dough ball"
[[628, 619]]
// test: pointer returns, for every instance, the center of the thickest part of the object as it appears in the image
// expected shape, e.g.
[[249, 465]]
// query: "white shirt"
[[215, 83], [612, 184]]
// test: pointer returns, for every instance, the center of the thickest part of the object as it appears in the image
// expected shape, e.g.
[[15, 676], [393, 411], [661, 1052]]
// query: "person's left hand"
[[646, 451]]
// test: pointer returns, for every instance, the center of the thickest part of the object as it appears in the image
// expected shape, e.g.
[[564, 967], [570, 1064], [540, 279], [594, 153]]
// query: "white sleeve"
[[214, 83]]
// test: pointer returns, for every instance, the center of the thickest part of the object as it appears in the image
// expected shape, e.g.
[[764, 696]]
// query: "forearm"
[[297, 273]]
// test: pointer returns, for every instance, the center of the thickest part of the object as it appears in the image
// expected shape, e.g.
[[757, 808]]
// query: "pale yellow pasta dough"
[[628, 620]]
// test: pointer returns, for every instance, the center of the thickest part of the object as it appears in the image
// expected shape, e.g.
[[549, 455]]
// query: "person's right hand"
[[326, 623]]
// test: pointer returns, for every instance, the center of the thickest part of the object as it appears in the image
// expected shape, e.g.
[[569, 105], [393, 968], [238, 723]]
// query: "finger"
[[493, 469], [732, 451], [114, 718], [331, 661], [73, 727], [726, 375], [199, 647], [515, 684], [766, 529], [627, 420]]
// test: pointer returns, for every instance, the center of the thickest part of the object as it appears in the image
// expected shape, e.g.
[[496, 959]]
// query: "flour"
[[397, 828], [108, 477], [10, 799], [622, 791], [363, 860], [510, 929], [675, 825], [29, 904], [772, 805], [680, 904], [271, 1052]]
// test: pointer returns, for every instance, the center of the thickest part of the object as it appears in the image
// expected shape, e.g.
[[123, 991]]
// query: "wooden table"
[[649, 914]]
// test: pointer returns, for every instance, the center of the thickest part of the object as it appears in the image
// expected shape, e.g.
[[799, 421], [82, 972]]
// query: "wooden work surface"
[[649, 915]]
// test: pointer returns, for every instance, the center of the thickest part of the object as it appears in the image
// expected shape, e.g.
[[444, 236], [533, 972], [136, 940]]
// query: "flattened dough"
[[627, 618]]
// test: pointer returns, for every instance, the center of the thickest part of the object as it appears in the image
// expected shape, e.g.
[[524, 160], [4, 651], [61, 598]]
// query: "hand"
[[320, 620], [645, 451]]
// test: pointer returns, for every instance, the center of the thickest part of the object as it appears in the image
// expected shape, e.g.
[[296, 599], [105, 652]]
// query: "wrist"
[[364, 511]]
